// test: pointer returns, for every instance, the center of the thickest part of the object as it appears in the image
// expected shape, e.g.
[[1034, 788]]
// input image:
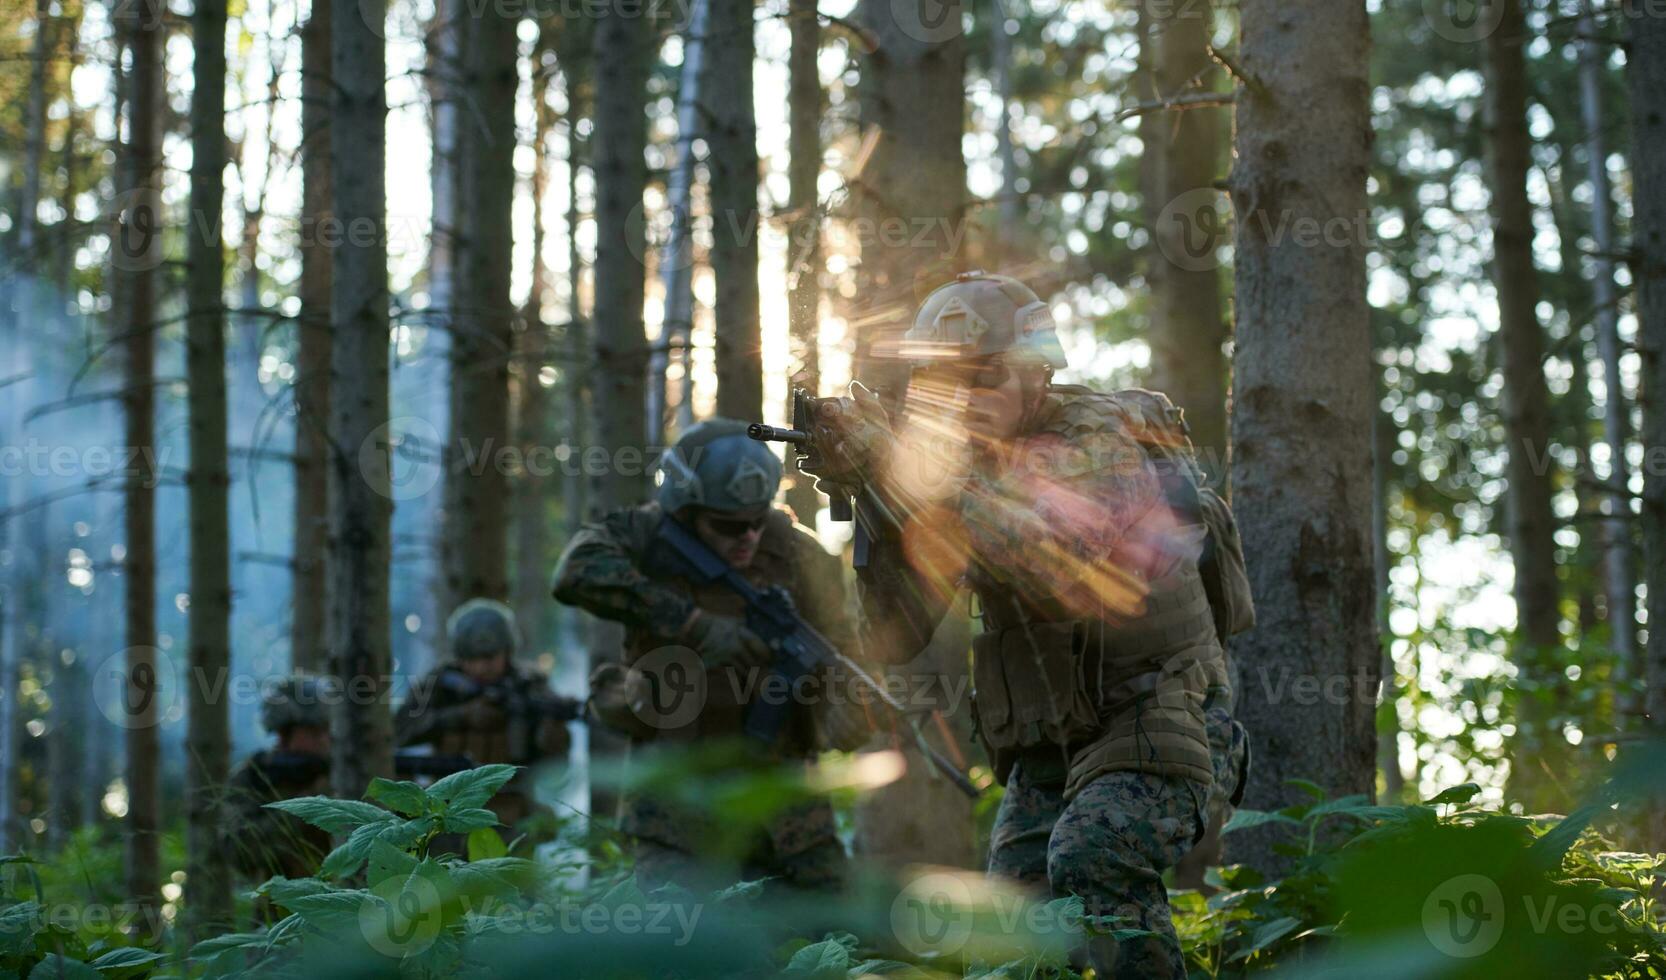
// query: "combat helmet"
[[715, 465], [299, 699], [481, 628], [980, 314]]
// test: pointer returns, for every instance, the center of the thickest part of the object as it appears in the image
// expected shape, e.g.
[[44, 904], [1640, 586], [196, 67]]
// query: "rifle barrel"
[[771, 433]]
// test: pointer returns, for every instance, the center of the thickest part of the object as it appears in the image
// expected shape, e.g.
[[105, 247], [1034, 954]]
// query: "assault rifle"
[[800, 650], [514, 702]]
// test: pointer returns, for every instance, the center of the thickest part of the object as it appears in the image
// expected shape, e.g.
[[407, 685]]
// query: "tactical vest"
[[1090, 696], [729, 692]]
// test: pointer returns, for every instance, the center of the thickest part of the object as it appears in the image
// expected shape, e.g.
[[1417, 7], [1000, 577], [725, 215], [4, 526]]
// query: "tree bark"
[[910, 200], [532, 404], [312, 342], [1619, 577], [357, 618], [732, 135], [1302, 395], [619, 386], [476, 484], [1646, 65], [1526, 408], [137, 257], [804, 257], [208, 735], [1188, 333]]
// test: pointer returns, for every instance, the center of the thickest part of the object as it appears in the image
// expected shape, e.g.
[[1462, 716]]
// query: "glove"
[[723, 641], [618, 696], [854, 436]]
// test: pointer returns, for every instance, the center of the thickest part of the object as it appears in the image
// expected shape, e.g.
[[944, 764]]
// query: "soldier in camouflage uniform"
[[261, 842], [485, 706], [1099, 563], [719, 484]]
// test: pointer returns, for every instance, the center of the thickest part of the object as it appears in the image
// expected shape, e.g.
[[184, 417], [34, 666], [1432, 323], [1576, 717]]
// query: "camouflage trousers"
[[1110, 846], [799, 847]]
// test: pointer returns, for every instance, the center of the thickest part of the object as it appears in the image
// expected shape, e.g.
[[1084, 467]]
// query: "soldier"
[[263, 843], [1107, 577], [485, 706], [719, 484]]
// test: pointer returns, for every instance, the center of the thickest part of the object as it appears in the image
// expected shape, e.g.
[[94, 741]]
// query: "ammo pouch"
[[1030, 690]]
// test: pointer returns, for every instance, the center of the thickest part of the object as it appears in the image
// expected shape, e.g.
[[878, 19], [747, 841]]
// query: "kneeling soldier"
[[262, 842]]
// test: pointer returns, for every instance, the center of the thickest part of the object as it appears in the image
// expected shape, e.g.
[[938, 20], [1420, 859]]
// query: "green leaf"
[[467, 819], [1457, 795], [334, 816], [281, 890], [1272, 932], [1245, 819], [471, 787], [484, 843], [347, 858], [18, 925], [828, 958], [386, 861], [332, 910], [743, 891], [210, 948], [401, 796], [1309, 787], [125, 957], [55, 966]]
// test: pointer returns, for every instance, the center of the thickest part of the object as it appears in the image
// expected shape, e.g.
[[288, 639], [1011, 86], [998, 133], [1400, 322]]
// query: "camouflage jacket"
[[1098, 645], [262, 842], [617, 570], [441, 710]]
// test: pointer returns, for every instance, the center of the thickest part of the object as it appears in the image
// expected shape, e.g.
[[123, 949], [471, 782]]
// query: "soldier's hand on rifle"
[[855, 440], [724, 641]]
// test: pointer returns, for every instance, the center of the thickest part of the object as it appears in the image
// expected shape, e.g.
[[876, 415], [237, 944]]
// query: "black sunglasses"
[[734, 527]]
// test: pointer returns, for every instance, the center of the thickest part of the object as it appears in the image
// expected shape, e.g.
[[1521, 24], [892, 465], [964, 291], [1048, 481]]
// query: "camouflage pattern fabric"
[[262, 842], [616, 569], [1109, 845], [1229, 750], [438, 714]]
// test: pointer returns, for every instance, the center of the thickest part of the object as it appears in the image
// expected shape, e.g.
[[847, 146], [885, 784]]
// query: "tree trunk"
[[356, 617], [804, 258], [1526, 409], [34, 147], [910, 199], [1646, 65], [476, 484], [676, 257], [1303, 389], [312, 354], [137, 256], [622, 51], [1011, 207], [531, 405], [1388, 739], [618, 365], [1188, 334], [1619, 576], [208, 735], [732, 134]]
